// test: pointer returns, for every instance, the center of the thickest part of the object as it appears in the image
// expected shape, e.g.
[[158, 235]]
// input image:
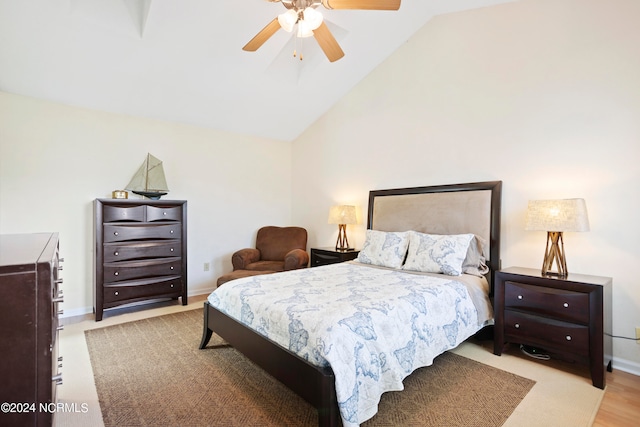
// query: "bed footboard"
[[314, 384]]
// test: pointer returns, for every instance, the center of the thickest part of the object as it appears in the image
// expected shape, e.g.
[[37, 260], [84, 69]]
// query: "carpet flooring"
[[151, 372]]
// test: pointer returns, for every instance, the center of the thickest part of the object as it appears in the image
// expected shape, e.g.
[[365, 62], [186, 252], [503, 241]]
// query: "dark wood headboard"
[[443, 209]]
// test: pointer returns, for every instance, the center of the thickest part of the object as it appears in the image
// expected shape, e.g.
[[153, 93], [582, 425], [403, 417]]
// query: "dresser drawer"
[[547, 333], [155, 213], [114, 252], [557, 303], [122, 233], [128, 270], [123, 213], [142, 289]]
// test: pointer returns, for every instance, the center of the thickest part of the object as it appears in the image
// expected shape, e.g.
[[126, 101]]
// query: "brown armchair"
[[277, 249]]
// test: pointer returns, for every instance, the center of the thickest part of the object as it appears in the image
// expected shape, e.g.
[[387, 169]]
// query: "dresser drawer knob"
[[58, 299], [519, 296], [171, 250], [60, 312], [116, 253], [164, 213], [115, 233], [60, 328], [171, 231], [116, 293], [172, 285], [565, 305], [115, 273], [568, 337], [171, 268], [517, 325]]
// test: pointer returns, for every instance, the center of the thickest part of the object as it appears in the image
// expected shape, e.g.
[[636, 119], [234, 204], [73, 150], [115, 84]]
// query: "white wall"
[[55, 160], [541, 94]]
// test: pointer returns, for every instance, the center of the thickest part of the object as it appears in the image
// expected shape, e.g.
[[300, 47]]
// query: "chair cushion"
[[238, 274], [266, 266]]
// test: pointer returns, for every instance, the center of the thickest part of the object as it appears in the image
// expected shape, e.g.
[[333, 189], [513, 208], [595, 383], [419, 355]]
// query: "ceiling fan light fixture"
[[312, 18], [304, 30], [288, 19]]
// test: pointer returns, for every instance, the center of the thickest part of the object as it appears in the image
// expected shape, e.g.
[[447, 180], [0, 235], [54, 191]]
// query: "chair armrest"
[[243, 257], [295, 259]]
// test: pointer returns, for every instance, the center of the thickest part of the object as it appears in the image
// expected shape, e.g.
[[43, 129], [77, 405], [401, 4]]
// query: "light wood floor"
[[621, 403]]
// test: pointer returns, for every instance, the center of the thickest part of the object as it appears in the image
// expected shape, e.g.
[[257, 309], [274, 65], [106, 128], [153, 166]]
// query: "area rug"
[[151, 373]]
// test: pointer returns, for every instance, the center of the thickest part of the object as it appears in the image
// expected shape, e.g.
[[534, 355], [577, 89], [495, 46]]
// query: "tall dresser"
[[140, 251], [30, 289]]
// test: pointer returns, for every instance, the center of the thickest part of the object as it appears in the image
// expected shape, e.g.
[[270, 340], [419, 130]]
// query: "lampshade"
[[557, 215], [342, 214]]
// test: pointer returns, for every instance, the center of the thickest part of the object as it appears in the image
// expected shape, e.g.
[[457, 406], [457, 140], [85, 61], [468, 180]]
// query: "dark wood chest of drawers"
[[569, 317], [141, 251], [30, 289]]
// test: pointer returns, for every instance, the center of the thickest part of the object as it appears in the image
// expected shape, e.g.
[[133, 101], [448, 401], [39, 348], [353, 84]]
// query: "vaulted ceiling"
[[182, 60]]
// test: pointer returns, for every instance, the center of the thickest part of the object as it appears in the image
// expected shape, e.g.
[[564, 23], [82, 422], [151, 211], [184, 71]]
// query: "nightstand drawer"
[[558, 303], [547, 333]]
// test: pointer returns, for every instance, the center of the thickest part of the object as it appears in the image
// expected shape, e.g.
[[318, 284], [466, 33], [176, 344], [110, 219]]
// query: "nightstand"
[[325, 256], [567, 317]]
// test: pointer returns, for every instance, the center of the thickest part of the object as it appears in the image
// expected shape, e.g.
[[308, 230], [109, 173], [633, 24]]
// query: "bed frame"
[[446, 209]]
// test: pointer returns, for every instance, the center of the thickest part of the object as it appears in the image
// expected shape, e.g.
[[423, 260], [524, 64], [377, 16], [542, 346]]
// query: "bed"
[[288, 323]]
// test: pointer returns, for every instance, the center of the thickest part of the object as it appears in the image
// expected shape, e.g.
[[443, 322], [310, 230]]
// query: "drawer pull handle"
[[115, 293], [172, 285], [164, 213], [517, 325], [519, 296], [116, 253], [57, 379], [60, 328], [171, 267], [58, 281], [171, 250], [115, 233], [565, 305], [116, 273], [171, 231], [568, 337], [60, 312], [58, 299]]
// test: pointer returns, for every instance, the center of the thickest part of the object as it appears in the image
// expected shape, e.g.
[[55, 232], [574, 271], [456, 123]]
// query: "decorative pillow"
[[433, 253], [475, 261], [387, 249]]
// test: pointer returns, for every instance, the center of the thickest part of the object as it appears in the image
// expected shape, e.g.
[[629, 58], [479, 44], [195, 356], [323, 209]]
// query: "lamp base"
[[554, 252], [342, 244]]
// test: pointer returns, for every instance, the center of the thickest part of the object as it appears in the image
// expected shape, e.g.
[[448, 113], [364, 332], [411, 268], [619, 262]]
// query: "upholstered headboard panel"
[[446, 209]]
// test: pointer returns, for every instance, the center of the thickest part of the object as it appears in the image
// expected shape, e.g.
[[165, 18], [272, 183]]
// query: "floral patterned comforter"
[[373, 326]]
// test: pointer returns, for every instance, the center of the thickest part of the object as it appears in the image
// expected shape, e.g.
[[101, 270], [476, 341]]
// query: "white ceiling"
[[181, 60]]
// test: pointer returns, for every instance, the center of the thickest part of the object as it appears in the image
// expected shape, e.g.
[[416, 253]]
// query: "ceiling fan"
[[309, 22]]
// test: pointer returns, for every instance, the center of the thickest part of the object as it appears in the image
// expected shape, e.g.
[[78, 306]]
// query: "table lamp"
[[556, 217], [342, 215]]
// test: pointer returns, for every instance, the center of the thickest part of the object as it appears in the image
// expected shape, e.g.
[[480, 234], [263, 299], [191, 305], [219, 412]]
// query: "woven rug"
[[151, 373]]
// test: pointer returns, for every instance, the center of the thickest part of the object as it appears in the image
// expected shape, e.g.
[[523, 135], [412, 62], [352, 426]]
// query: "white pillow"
[[387, 249], [433, 253]]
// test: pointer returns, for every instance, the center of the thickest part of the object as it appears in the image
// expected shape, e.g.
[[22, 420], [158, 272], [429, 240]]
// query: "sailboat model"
[[149, 180]]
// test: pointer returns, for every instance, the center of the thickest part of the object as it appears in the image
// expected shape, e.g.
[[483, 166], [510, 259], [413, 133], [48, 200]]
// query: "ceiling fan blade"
[[262, 36], [362, 4], [328, 43]]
